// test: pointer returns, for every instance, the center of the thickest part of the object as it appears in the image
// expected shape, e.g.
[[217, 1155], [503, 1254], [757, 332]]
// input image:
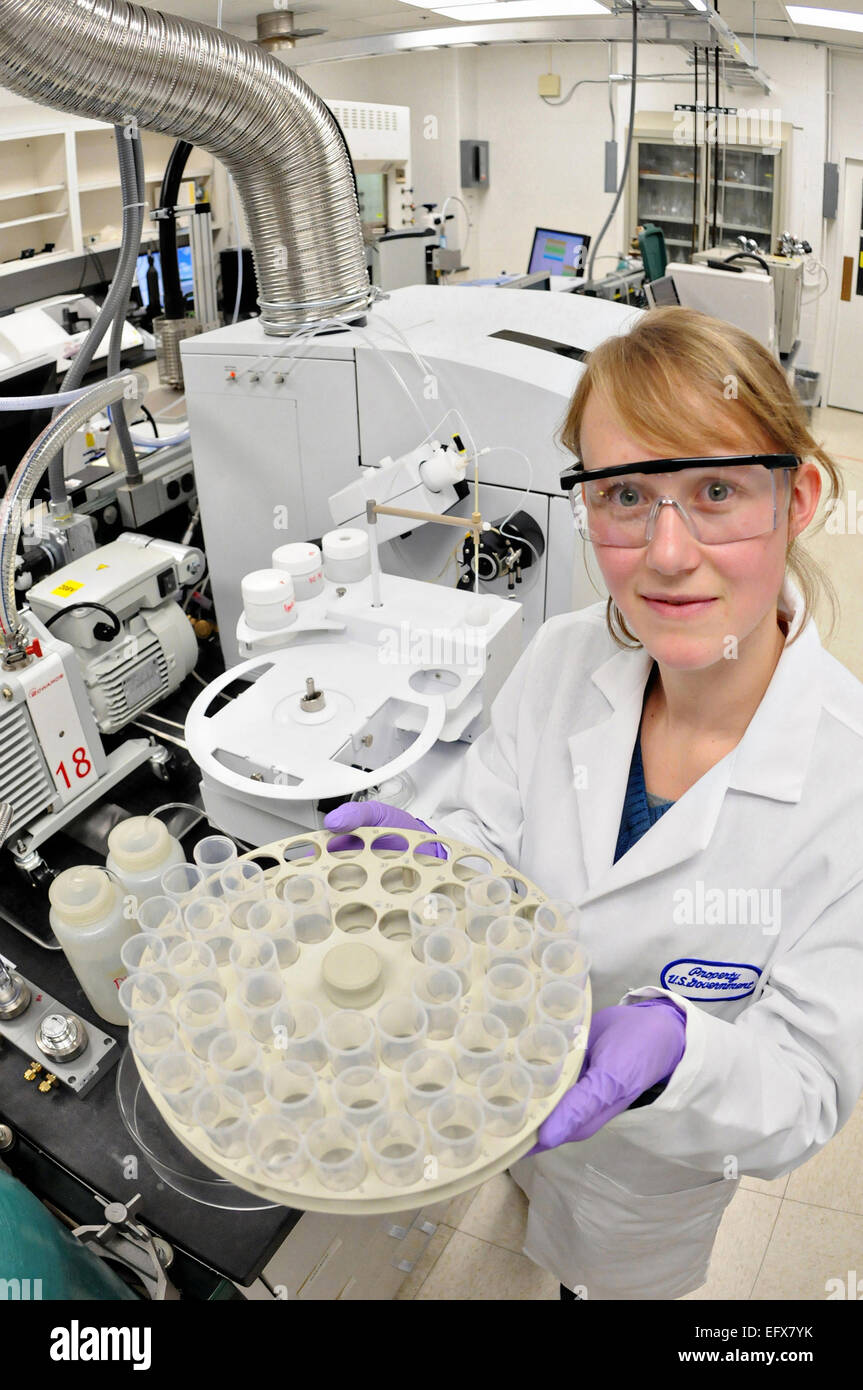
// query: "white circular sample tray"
[[370, 890]]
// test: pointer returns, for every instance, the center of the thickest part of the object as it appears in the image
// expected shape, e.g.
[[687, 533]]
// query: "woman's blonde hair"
[[682, 384]]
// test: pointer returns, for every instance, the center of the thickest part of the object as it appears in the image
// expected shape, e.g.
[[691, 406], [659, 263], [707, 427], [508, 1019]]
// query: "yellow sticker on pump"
[[68, 587]]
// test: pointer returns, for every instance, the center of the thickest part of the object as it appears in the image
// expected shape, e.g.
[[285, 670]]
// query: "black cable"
[[95, 607], [150, 416], [695, 150], [88, 251], [173, 303], [607, 223]]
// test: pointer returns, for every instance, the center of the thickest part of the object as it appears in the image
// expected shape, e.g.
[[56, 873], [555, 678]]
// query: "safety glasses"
[[720, 499]]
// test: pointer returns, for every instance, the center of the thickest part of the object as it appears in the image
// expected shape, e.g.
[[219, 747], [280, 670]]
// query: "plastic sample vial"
[[144, 951], [480, 1041], [336, 1152], [184, 883], [163, 916], [201, 1016], [153, 1037], [509, 941], [252, 954], [260, 992], [306, 1043], [236, 1060], [223, 1114], [451, 948], [485, 898], [439, 990], [304, 563], [87, 919], [274, 920], [193, 963], [402, 1029], [141, 994], [283, 1026], [362, 1095], [307, 895], [542, 1051], [214, 852], [508, 991], [179, 1079], [207, 920], [561, 1004], [456, 1128], [140, 849], [566, 960], [426, 914], [347, 559], [554, 920], [293, 1089], [505, 1092], [278, 1148], [428, 1076], [397, 1145], [242, 879], [350, 1039]]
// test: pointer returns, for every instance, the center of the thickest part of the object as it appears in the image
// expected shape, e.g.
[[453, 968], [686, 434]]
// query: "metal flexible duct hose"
[[116, 62]]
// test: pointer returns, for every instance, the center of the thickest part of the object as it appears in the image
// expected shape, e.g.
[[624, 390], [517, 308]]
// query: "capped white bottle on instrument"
[[140, 849], [87, 918]]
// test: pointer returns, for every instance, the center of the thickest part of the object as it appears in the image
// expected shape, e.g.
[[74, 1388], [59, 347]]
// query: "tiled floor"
[[782, 1239]]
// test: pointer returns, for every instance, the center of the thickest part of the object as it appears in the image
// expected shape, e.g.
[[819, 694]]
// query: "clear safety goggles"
[[724, 499]]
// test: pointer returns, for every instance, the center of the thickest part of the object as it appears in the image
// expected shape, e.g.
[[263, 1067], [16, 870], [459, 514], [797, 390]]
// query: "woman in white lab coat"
[[686, 765]]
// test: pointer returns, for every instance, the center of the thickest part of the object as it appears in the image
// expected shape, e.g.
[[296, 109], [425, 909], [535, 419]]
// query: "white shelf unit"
[[660, 187], [60, 185]]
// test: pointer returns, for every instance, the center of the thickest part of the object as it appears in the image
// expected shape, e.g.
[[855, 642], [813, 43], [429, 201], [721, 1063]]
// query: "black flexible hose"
[[748, 256], [173, 303]]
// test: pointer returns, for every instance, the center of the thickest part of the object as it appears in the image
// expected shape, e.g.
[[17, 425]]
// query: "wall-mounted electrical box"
[[474, 163]]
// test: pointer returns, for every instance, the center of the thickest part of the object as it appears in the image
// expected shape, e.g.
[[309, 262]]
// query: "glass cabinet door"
[[665, 186], [744, 204]]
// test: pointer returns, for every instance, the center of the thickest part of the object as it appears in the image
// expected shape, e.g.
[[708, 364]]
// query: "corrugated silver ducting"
[[117, 62]]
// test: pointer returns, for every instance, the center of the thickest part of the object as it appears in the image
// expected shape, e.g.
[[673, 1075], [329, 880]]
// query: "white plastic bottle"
[[87, 919], [139, 851]]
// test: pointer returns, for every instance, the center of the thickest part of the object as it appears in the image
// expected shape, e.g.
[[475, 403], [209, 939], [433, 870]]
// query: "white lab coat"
[[773, 1063]]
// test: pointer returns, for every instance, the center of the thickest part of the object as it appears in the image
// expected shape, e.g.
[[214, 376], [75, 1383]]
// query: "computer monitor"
[[558, 253], [184, 262]]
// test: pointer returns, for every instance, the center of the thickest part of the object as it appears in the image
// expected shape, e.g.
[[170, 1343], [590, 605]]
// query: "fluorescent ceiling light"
[[698, 4], [510, 9], [825, 19]]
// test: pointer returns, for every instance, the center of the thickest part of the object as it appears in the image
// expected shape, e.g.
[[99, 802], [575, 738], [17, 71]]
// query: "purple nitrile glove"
[[353, 813], [630, 1048]]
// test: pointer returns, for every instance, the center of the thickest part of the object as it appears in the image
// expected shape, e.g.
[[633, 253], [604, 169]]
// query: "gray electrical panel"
[[474, 163], [830, 195]]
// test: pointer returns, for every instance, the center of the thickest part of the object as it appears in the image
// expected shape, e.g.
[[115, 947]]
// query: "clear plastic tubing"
[[141, 994], [566, 960], [451, 948], [236, 1060], [292, 1087], [307, 894], [153, 1037], [336, 1151], [505, 1092], [402, 1029], [456, 1128], [542, 1051], [362, 1095], [426, 914], [427, 1076], [278, 1148], [183, 883], [439, 990], [214, 852], [562, 1005], [480, 1041], [306, 1043], [509, 941], [207, 920], [350, 1039], [509, 991], [201, 1016], [143, 951], [485, 899], [554, 920], [260, 992], [274, 920], [179, 1080], [397, 1145], [223, 1114]]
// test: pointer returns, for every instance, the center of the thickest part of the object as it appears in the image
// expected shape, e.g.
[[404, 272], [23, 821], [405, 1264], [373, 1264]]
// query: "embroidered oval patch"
[[709, 979]]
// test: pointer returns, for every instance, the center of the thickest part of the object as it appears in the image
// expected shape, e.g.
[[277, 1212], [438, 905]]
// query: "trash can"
[[807, 385]]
